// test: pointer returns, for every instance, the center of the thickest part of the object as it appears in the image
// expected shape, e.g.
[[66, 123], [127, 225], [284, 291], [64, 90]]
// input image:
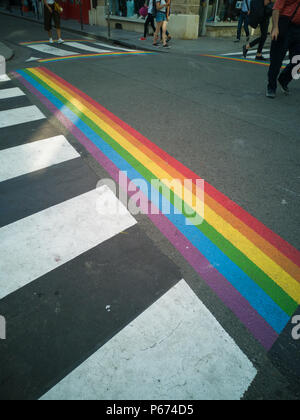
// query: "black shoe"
[[284, 88], [260, 58], [248, 38], [271, 93], [245, 51], [237, 41]]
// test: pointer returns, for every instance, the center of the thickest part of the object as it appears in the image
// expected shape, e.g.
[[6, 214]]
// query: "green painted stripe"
[[278, 295]]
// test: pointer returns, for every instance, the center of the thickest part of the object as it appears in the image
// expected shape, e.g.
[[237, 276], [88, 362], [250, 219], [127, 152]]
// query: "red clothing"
[[287, 8]]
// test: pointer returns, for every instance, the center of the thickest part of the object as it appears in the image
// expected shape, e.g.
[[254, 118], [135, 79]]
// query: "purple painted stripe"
[[260, 329]]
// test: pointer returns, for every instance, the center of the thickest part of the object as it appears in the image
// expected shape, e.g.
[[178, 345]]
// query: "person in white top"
[[52, 11]]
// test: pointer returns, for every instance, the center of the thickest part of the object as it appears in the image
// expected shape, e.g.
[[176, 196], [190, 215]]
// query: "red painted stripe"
[[283, 246]]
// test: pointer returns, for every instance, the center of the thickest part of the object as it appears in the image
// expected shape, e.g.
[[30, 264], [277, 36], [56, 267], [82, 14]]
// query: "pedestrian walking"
[[244, 20], [161, 21], [285, 37], [264, 23], [150, 19], [52, 11]]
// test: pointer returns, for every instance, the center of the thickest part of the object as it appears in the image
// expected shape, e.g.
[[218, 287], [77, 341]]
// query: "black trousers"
[[264, 27], [288, 41], [149, 20]]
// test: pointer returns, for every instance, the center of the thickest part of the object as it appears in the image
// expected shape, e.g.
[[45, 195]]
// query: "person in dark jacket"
[[260, 41], [285, 38]]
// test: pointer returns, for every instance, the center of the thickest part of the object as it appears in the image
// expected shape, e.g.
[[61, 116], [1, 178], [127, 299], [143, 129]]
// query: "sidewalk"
[[202, 45]]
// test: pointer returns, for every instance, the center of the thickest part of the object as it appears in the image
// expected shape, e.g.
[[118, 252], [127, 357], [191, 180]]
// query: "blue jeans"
[[244, 20]]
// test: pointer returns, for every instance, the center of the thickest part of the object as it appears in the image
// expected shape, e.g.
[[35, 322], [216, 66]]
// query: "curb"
[[6, 52]]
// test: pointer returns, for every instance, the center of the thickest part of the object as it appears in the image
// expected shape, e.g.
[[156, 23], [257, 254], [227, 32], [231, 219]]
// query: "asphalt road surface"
[[110, 304]]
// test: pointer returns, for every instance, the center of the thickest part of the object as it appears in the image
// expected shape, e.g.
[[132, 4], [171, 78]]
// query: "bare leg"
[[157, 32], [164, 33], [58, 33]]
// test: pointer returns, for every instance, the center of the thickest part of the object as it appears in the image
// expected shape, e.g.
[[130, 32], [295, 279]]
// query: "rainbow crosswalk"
[[252, 270]]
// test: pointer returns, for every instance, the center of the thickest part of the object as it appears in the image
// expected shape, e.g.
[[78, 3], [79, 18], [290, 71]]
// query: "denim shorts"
[[161, 17]]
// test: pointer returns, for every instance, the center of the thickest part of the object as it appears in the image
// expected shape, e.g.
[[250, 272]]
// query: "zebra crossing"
[[251, 57], [74, 49], [93, 308]]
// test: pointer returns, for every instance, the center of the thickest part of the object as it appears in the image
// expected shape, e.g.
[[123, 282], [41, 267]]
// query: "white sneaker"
[[60, 41], [50, 40]]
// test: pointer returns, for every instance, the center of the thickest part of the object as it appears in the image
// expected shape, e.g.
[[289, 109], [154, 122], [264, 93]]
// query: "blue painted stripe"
[[258, 299]]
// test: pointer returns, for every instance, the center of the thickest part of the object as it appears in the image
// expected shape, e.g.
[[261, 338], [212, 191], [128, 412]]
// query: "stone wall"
[[186, 7]]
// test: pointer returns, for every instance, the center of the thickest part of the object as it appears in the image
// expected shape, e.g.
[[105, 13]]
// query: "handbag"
[[58, 8]]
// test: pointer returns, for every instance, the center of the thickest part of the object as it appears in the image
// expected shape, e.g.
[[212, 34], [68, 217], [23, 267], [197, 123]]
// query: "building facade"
[[189, 18]]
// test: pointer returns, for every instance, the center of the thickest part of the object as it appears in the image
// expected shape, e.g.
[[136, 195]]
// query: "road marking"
[[240, 53], [47, 49], [21, 115], [175, 350], [48, 42], [262, 297], [4, 78], [40, 243], [85, 47], [112, 47], [34, 156], [32, 59], [11, 93], [93, 55]]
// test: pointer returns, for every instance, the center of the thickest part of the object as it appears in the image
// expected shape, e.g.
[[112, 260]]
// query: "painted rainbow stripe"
[[253, 271], [241, 60], [73, 57]]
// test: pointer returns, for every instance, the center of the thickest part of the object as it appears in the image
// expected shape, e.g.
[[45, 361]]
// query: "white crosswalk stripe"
[[252, 55], [20, 115], [240, 53], [4, 78], [11, 93], [84, 47], [178, 321], [57, 235], [47, 49], [59, 51], [112, 47], [34, 156]]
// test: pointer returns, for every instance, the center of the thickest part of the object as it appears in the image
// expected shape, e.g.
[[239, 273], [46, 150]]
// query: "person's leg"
[[278, 52], [56, 18], [48, 22], [240, 26], [157, 32], [146, 26], [264, 28], [246, 26], [152, 23], [164, 32], [294, 50]]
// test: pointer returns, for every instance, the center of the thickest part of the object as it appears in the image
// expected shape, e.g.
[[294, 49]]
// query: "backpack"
[[257, 13]]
